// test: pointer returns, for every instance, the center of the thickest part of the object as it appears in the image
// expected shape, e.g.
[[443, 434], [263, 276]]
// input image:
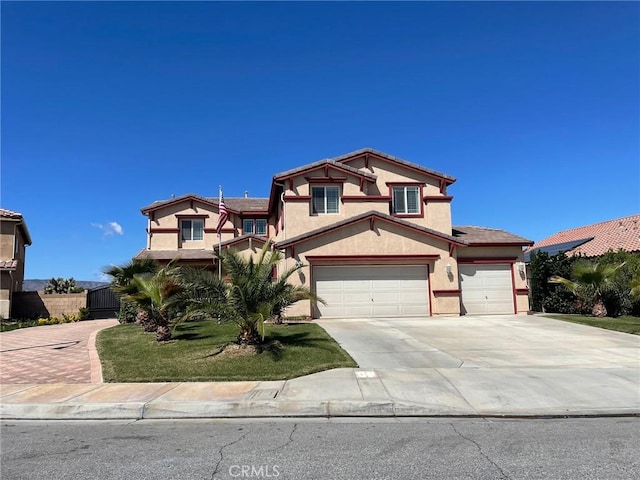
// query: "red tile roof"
[[622, 233]]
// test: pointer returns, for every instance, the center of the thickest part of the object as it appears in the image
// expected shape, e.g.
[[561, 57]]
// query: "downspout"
[[284, 233], [148, 232]]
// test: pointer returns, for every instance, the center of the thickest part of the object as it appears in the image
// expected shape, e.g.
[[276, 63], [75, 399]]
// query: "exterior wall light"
[[521, 267], [447, 268]]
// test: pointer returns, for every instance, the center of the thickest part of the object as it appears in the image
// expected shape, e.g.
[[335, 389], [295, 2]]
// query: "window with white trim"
[[191, 230], [256, 226], [406, 200], [325, 200]]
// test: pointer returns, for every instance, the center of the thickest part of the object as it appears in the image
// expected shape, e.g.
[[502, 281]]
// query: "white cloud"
[[109, 228]]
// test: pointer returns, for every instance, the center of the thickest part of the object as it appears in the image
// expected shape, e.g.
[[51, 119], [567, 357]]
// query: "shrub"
[[127, 312], [554, 298]]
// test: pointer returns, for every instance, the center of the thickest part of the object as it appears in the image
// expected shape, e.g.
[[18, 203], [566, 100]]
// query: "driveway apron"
[[52, 354], [510, 341]]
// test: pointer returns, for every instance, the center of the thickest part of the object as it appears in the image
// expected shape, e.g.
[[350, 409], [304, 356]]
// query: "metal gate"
[[102, 302]]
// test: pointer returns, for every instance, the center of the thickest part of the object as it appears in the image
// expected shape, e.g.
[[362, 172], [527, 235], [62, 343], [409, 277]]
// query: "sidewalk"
[[519, 392], [53, 373]]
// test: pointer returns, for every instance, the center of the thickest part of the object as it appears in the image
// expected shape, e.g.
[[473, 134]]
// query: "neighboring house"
[[373, 231], [14, 237], [593, 240]]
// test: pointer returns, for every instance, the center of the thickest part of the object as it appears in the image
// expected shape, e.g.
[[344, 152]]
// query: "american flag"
[[224, 214]]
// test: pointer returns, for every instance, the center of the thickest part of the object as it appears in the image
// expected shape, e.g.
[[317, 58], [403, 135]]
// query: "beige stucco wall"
[[168, 217], [385, 239], [11, 281], [299, 219]]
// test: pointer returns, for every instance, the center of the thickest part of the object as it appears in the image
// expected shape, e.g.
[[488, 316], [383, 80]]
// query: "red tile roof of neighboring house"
[[622, 233], [8, 264]]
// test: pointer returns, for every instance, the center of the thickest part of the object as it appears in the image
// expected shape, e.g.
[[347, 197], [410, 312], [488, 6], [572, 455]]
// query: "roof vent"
[[246, 194]]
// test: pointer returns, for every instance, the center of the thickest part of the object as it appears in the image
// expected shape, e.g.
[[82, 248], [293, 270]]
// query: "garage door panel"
[[355, 297], [372, 291], [486, 289]]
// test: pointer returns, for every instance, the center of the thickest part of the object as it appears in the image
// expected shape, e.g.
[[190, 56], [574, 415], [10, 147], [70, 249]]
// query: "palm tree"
[[159, 296], [122, 275], [252, 294], [590, 281], [121, 278]]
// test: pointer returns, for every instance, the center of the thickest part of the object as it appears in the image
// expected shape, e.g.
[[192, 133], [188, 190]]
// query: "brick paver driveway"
[[52, 353]]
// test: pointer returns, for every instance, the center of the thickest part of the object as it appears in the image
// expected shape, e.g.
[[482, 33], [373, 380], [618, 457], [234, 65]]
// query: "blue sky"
[[106, 107]]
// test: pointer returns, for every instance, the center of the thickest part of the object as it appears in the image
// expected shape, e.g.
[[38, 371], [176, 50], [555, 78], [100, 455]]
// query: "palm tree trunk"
[[599, 310]]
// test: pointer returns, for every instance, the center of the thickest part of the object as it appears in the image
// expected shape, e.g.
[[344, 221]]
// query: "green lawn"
[[130, 355], [626, 323]]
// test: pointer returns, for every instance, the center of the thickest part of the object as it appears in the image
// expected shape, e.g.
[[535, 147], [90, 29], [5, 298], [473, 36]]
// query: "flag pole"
[[219, 235]]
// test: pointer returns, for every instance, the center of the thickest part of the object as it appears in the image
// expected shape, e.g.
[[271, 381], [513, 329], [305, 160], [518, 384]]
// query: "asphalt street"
[[410, 448]]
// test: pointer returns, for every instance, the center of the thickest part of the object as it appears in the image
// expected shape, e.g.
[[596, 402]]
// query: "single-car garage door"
[[357, 291], [486, 289]]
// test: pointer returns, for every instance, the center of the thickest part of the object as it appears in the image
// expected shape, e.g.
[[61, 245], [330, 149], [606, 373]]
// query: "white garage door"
[[372, 291], [486, 289]]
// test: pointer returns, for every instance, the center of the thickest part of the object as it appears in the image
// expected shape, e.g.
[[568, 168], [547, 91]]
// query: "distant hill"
[[37, 285]]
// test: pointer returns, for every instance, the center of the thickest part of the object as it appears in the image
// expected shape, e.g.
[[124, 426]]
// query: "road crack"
[[496, 466], [221, 454], [288, 442]]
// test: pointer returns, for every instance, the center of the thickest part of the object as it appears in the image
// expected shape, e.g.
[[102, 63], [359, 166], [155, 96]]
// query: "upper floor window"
[[256, 226], [191, 229], [325, 200], [406, 200]]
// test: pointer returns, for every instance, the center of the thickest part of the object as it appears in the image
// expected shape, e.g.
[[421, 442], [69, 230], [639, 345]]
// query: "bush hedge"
[[554, 298]]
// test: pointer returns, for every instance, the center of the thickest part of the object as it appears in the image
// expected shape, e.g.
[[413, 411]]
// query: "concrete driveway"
[[482, 342], [493, 365]]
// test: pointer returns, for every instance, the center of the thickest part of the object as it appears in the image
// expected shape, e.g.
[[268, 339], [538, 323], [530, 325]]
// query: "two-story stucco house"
[[373, 231], [14, 237]]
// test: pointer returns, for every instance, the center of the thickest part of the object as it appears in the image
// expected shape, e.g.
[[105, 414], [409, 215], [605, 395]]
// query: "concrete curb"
[[163, 410]]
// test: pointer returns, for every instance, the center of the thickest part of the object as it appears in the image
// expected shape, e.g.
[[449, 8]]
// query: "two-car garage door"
[[359, 291]]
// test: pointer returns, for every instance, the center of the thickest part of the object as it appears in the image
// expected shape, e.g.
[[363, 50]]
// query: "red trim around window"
[[366, 198], [224, 230], [437, 198], [392, 185], [522, 291], [188, 216], [404, 184], [165, 230]]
